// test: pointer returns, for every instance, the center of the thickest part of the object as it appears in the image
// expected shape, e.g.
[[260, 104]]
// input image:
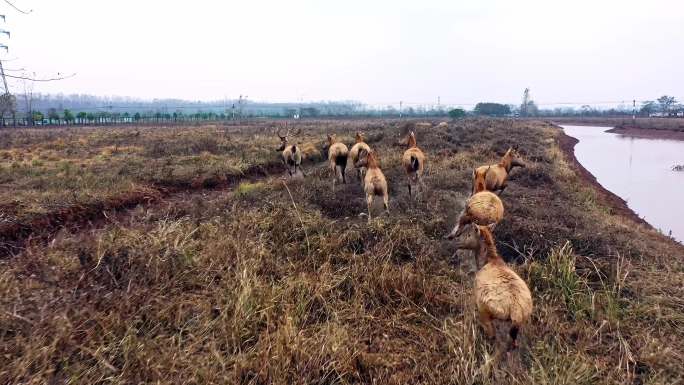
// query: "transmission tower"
[[4, 46]]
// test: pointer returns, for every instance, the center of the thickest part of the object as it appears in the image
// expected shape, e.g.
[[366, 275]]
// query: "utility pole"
[[4, 79], [7, 97], [2, 70], [401, 103], [634, 112]]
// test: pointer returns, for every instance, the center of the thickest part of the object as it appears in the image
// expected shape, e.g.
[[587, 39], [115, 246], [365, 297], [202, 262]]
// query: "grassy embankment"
[[279, 283], [672, 124], [52, 177]]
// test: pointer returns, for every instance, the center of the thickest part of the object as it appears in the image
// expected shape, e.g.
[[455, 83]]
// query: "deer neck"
[[372, 162], [479, 185], [506, 163], [412, 142], [488, 247]]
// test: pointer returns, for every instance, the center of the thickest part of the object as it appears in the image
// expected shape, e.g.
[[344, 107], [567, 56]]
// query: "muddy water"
[[639, 171]]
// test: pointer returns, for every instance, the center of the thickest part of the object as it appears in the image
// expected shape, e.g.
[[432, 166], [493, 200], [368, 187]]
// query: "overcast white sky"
[[376, 52]]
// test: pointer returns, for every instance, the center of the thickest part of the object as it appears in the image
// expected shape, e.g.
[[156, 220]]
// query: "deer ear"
[[478, 229]]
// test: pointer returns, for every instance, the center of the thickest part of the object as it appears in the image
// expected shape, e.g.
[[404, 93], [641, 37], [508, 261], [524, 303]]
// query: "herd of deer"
[[500, 294]]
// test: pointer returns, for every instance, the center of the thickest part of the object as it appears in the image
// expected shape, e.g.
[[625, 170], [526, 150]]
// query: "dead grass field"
[[232, 275]]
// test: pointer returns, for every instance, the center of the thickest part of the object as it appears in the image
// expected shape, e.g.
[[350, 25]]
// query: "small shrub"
[[248, 188], [558, 277]]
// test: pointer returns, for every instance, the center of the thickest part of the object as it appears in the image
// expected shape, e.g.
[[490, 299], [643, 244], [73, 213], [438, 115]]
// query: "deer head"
[[284, 137], [513, 158], [367, 159], [470, 239]]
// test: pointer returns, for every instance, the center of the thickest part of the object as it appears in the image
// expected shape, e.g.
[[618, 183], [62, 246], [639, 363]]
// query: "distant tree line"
[[42, 109], [29, 109], [665, 106]]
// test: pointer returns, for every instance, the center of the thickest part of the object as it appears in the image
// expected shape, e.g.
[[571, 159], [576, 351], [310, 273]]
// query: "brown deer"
[[483, 208], [500, 293], [354, 154], [497, 176], [291, 153], [337, 156], [413, 161], [374, 182]]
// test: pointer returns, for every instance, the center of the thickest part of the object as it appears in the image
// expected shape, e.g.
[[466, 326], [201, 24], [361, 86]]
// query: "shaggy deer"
[[354, 154], [337, 156], [483, 208], [500, 293], [413, 161], [374, 182], [291, 153], [497, 176]]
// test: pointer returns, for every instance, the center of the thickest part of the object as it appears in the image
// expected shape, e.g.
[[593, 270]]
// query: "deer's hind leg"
[[487, 324], [385, 201], [369, 203]]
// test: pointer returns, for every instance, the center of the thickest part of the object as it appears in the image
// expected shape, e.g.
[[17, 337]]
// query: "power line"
[[17, 8], [41, 80]]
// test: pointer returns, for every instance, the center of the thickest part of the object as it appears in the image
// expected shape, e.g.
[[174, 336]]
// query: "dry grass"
[[274, 283]]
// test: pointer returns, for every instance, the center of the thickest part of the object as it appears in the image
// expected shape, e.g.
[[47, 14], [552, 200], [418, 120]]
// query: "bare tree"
[[28, 99]]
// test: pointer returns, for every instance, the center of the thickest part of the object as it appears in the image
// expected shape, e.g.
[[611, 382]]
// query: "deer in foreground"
[[291, 153], [413, 161], [354, 154], [337, 156], [374, 182], [497, 174], [500, 294]]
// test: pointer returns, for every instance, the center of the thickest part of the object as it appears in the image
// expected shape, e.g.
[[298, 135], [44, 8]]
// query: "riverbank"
[[648, 133], [617, 205], [618, 162], [655, 124]]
